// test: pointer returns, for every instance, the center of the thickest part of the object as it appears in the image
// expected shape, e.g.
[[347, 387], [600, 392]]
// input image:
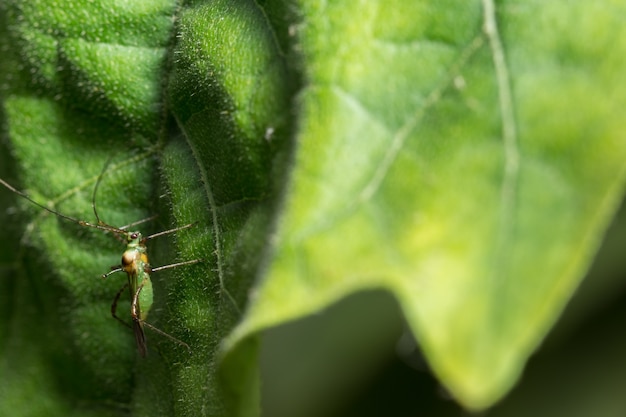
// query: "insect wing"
[[140, 337]]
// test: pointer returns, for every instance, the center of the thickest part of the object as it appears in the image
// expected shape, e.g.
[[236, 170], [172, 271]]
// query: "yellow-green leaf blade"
[[472, 174]]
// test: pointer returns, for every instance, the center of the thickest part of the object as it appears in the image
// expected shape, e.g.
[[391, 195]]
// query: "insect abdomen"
[[145, 296]]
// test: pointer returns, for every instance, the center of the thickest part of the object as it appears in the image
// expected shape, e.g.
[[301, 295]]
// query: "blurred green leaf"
[[464, 157]]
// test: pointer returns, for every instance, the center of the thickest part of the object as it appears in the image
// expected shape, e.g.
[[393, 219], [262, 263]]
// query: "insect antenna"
[[118, 232], [95, 190], [147, 219], [103, 226], [48, 209]]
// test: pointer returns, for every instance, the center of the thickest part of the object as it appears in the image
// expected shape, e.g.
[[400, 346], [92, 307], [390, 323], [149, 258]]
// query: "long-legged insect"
[[136, 266], [134, 263]]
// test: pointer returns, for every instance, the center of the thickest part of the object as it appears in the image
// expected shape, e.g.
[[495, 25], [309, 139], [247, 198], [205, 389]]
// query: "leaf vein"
[[509, 128], [403, 133], [216, 227]]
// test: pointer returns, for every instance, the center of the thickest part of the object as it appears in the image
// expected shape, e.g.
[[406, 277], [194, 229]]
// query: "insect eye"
[[134, 235]]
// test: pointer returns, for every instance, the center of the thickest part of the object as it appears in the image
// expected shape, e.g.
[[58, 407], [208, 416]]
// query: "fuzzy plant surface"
[[462, 157]]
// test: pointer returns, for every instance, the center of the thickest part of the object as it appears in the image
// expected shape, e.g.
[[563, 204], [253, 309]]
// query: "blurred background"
[[357, 359]]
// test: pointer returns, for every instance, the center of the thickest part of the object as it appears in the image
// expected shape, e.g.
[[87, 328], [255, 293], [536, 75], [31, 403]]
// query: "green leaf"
[[72, 100], [464, 158], [92, 113]]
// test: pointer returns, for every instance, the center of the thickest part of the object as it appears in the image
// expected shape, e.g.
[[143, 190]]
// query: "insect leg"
[[137, 319], [140, 337], [114, 305], [167, 232], [114, 269], [160, 268]]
